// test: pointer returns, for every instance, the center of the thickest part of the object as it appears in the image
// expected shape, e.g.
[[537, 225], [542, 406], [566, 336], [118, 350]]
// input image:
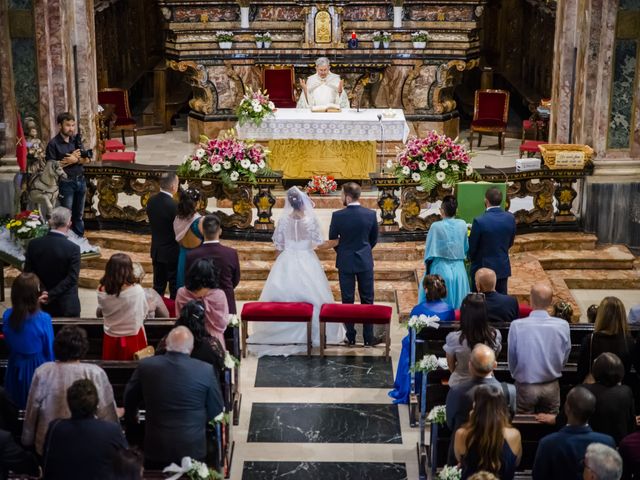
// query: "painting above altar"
[[305, 143]]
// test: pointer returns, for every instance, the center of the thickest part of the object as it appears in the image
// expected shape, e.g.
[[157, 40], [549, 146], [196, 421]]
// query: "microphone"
[[506, 177], [380, 117], [382, 140]]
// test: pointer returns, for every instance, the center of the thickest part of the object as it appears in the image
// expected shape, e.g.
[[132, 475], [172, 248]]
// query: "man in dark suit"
[[181, 395], [356, 229], [224, 258], [161, 211], [500, 307], [492, 235], [560, 455], [56, 261]]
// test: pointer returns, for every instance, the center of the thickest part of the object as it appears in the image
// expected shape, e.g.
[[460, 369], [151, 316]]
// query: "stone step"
[[611, 257], [554, 241], [599, 279]]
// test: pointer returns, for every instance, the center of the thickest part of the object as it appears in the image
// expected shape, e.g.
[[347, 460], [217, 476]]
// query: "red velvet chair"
[[279, 82], [490, 114], [124, 121], [276, 312], [355, 313]]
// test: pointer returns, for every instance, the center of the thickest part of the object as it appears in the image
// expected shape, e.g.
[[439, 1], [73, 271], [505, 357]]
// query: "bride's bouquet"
[[435, 159], [226, 158], [254, 107]]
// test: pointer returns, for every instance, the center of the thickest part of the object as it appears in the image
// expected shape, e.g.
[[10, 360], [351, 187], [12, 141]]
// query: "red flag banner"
[[21, 147]]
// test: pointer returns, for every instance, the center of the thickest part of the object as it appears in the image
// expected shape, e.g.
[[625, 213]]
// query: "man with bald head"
[[460, 398], [500, 307], [181, 395], [539, 347]]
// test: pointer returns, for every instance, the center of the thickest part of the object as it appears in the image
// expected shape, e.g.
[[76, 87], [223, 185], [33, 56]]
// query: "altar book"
[[331, 107]]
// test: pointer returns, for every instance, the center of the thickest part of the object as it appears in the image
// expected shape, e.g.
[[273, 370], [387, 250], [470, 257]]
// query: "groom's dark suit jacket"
[[357, 229]]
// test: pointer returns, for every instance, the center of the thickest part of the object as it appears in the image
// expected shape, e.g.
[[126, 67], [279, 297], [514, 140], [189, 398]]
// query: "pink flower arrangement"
[[227, 158], [254, 107], [322, 184], [432, 160]]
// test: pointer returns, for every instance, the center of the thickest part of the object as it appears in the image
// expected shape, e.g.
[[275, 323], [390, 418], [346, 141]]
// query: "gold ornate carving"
[[322, 27], [542, 192], [204, 94], [448, 77]]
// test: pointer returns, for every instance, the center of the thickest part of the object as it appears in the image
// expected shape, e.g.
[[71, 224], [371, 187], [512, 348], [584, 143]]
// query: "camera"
[[88, 153]]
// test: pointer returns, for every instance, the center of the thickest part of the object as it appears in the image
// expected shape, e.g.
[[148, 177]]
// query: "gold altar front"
[[342, 159]]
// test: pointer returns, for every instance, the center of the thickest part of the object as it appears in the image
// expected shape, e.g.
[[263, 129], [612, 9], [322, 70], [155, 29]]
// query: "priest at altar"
[[323, 88]]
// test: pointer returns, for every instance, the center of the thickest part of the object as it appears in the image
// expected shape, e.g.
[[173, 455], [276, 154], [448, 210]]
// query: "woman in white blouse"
[[474, 329], [123, 304]]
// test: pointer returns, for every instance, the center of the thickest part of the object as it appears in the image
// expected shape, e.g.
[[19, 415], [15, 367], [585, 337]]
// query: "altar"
[[340, 144]]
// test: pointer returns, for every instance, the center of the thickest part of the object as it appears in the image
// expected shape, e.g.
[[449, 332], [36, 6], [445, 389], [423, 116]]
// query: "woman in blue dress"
[[445, 252], [29, 335], [187, 227], [435, 291]]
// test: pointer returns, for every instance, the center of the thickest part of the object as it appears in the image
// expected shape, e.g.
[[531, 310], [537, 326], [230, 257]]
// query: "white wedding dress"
[[296, 276]]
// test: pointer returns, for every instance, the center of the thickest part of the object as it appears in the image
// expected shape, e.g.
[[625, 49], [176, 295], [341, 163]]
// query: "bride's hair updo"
[[295, 199]]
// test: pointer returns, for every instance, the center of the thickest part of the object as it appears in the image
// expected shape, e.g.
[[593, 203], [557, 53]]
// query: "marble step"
[[554, 241], [603, 257]]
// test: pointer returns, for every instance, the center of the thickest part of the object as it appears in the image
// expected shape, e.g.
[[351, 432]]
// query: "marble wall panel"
[[213, 14], [228, 86], [7, 97], [389, 93], [367, 13], [280, 13], [251, 75], [434, 13], [622, 94], [23, 52]]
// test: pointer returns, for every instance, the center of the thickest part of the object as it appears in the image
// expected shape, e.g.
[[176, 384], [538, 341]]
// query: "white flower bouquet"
[[418, 322], [192, 469], [227, 158], [27, 225], [429, 363], [449, 473], [230, 361], [234, 321], [224, 36], [254, 107], [437, 414], [420, 36], [435, 159]]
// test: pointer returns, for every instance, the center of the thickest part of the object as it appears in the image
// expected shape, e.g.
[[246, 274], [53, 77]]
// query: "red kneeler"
[[125, 157], [355, 313], [113, 145], [276, 312], [531, 146]]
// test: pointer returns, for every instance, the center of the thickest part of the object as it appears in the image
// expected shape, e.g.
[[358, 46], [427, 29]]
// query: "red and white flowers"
[[322, 184], [435, 159], [227, 158]]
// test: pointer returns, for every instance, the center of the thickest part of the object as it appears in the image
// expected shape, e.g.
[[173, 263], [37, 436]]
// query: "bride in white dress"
[[296, 276]]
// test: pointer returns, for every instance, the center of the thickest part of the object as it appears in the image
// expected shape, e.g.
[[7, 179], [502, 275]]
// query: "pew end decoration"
[[254, 107], [449, 473], [432, 160], [227, 158], [418, 322], [321, 184], [438, 414], [191, 469], [429, 363]]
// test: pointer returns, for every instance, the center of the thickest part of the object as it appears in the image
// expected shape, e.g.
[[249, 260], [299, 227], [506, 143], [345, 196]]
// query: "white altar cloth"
[[299, 124]]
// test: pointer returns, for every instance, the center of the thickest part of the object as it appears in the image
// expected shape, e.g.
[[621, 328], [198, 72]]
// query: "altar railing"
[[542, 186], [117, 195]]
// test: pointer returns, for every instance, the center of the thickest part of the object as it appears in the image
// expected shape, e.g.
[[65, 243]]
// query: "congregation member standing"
[[187, 228], [82, 446], [123, 305], [560, 455], [66, 147], [181, 395], [48, 395], [500, 307], [445, 252], [224, 258], [492, 235], [539, 347], [161, 211], [29, 335], [56, 261]]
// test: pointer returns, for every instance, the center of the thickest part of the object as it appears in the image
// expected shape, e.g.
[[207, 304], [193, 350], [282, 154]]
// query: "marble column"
[[596, 101], [7, 96]]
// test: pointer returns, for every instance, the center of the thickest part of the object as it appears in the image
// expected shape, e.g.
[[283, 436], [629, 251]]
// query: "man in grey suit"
[[180, 394]]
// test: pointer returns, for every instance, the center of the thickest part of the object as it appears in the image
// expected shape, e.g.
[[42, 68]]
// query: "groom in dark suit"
[[492, 234], [356, 229]]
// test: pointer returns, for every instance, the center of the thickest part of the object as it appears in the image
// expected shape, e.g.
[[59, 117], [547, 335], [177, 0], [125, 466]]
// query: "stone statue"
[[35, 147], [323, 88]]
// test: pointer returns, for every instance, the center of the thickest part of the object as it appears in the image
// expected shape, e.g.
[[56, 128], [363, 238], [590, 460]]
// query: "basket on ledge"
[[582, 156]]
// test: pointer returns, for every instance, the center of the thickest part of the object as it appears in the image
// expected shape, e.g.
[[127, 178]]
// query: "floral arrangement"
[[192, 469], [230, 361], [224, 36], [435, 159], [429, 363], [263, 37], [437, 414], [322, 184], [234, 321], [227, 158], [27, 225], [418, 322], [254, 107], [450, 473], [379, 36], [420, 36], [223, 417]]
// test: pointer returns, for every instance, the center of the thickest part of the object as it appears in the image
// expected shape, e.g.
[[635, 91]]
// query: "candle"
[[353, 35]]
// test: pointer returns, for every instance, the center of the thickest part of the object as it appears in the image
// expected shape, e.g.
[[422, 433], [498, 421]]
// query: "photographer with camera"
[[67, 148]]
